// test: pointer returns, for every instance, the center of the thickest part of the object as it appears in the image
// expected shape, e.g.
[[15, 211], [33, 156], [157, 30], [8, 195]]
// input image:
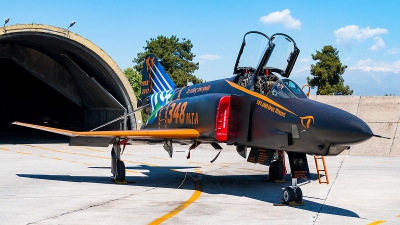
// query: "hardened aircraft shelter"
[[52, 76]]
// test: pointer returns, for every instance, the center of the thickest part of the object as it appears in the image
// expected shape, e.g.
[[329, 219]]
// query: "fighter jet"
[[258, 108]]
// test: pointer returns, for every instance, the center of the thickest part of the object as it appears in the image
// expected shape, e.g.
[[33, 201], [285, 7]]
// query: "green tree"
[[327, 72], [135, 79], [176, 58]]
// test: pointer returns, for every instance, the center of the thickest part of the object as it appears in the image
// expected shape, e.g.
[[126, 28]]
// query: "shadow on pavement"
[[249, 186]]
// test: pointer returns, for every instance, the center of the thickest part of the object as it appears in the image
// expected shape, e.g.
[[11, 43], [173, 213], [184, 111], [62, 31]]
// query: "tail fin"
[[154, 78]]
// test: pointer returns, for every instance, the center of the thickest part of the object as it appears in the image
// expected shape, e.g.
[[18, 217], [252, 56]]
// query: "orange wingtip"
[[161, 133]]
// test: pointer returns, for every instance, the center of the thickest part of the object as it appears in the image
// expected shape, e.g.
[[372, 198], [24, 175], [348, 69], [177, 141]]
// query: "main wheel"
[[299, 195], [288, 195], [120, 170], [275, 170]]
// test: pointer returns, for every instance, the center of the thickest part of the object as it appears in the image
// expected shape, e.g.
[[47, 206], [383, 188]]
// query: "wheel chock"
[[119, 181], [295, 203], [280, 181], [276, 181]]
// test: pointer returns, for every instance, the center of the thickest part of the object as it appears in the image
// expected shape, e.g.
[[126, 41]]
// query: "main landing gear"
[[276, 170], [117, 165]]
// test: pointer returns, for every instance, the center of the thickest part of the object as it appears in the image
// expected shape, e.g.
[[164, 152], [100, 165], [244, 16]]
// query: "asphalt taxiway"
[[45, 181]]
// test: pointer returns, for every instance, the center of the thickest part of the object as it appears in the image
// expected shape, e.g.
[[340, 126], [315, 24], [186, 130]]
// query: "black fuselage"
[[261, 120]]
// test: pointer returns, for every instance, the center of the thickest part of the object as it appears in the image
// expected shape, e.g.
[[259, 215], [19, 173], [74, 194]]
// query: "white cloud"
[[347, 59], [396, 64], [394, 51], [283, 17], [370, 65], [305, 68], [210, 57], [303, 59], [378, 44], [348, 35], [366, 62]]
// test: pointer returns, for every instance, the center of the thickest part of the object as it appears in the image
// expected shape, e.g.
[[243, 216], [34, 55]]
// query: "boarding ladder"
[[324, 170]]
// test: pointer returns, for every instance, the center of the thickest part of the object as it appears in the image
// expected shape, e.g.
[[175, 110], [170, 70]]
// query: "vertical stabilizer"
[[154, 78]]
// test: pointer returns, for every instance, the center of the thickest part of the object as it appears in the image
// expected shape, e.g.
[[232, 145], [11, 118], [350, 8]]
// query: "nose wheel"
[[292, 195], [288, 195]]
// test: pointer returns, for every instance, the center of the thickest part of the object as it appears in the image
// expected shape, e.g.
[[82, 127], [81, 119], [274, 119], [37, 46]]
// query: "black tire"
[[275, 170], [120, 170], [299, 195], [288, 195]]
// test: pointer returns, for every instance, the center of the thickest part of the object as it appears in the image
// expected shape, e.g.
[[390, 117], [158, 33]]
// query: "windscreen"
[[253, 51], [279, 58], [281, 91], [294, 88], [286, 88]]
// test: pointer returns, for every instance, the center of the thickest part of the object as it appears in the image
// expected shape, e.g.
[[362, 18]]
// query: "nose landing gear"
[[292, 195]]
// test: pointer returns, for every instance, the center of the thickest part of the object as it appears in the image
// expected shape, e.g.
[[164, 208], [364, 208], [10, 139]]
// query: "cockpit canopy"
[[259, 52], [261, 59]]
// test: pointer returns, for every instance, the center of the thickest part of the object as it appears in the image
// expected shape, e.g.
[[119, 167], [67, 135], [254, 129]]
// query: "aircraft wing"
[[102, 138]]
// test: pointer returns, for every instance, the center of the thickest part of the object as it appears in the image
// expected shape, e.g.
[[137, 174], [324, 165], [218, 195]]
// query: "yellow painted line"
[[43, 156], [398, 216], [133, 171], [93, 150], [26, 153], [142, 163], [71, 153], [157, 158], [4, 149], [252, 170], [377, 222], [193, 198]]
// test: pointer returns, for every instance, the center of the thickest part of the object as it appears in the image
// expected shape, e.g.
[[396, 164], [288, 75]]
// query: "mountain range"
[[367, 81]]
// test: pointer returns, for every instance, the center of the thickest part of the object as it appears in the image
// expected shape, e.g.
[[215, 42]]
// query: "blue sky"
[[365, 33]]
